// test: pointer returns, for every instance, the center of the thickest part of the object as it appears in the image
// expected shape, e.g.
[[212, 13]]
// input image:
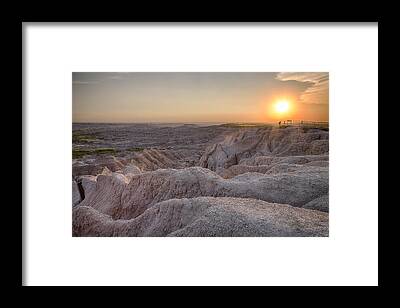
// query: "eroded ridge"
[[257, 181]]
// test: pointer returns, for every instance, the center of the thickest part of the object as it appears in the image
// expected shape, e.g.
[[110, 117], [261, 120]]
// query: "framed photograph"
[[199, 154], [229, 146]]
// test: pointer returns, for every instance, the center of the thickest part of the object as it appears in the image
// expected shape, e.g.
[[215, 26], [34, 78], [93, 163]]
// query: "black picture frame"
[[244, 16]]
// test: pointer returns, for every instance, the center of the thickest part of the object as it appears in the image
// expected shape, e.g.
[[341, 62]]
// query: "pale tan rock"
[[114, 196], [95, 166], [88, 184], [76, 196], [250, 182], [107, 196], [320, 204], [206, 216], [271, 141]]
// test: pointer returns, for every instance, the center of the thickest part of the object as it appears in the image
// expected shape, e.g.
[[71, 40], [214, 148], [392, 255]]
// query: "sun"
[[282, 106]]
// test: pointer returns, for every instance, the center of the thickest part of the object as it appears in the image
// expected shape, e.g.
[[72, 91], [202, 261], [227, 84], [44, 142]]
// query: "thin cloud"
[[116, 77], [84, 82], [113, 77], [317, 93]]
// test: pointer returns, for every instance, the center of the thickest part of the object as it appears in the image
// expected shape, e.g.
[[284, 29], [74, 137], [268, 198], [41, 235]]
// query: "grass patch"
[[136, 149], [79, 153], [104, 151], [78, 137]]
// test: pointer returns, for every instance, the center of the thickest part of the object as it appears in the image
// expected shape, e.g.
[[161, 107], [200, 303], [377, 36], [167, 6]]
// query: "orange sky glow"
[[200, 97]]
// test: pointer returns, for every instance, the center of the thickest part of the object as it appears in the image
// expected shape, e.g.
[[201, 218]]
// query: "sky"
[[199, 97]]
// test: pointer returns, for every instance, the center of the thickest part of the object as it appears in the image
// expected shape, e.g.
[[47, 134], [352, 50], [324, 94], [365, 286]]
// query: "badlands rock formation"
[[205, 216], [248, 145], [262, 181]]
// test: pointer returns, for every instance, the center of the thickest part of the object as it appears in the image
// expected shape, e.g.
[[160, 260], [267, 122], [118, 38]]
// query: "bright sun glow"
[[282, 106]]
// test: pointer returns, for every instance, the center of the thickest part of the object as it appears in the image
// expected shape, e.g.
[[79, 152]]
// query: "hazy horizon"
[[216, 123], [199, 98]]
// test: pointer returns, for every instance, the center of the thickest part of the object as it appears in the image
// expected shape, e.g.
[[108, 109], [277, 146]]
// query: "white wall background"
[[348, 52]]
